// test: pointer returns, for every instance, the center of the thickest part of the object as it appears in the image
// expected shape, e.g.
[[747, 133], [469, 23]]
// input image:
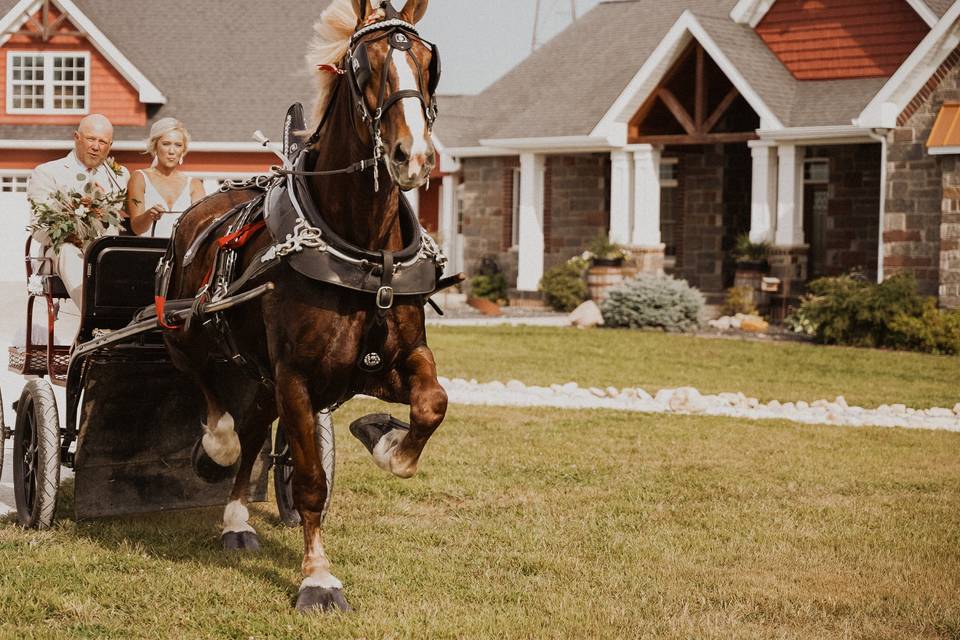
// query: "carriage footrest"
[[370, 428]]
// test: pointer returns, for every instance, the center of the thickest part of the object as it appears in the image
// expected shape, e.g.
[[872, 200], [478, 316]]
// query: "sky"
[[480, 40]]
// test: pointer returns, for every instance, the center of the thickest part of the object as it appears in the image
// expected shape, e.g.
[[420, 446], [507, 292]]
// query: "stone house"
[[827, 128]]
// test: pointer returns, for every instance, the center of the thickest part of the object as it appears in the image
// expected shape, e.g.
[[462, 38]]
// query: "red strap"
[[331, 68], [160, 301], [241, 236]]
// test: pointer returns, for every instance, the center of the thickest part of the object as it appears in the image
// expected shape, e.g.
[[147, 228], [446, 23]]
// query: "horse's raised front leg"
[[238, 534], [396, 448], [320, 589]]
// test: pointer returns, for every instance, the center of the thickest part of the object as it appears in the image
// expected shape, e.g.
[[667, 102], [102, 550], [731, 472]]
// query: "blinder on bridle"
[[400, 36]]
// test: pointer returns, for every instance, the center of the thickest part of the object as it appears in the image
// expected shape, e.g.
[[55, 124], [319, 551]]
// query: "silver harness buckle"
[[384, 298]]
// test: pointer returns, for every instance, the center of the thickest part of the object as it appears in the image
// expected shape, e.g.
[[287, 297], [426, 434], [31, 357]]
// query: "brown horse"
[[309, 337]]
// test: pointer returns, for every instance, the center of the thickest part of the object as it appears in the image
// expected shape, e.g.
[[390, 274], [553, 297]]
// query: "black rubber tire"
[[283, 480], [36, 455]]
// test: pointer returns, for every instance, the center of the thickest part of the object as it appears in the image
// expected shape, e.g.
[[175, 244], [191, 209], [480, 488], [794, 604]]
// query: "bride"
[[157, 196]]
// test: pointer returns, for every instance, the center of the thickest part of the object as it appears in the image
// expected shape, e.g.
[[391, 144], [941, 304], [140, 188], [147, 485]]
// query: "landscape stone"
[[486, 307], [586, 315]]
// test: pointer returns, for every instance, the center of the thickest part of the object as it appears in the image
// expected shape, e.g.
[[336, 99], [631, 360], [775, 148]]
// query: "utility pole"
[[535, 41]]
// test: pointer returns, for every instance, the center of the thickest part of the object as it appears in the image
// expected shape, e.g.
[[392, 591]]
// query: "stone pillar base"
[[648, 260], [789, 263]]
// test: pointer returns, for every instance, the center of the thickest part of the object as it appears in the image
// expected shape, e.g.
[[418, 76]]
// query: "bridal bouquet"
[[77, 217]]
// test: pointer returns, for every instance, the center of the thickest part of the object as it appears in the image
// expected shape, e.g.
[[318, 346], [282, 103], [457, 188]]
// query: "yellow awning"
[[946, 129]]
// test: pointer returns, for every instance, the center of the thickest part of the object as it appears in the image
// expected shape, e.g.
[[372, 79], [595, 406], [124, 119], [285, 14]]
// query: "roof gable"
[[751, 12], [23, 11], [839, 39]]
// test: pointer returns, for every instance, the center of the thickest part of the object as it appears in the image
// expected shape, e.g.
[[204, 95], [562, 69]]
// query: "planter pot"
[[601, 279], [607, 262]]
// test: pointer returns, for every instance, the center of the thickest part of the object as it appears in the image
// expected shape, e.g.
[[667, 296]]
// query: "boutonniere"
[[115, 166]]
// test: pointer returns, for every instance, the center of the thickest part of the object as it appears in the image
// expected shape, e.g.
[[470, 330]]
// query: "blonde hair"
[[161, 128], [330, 43]]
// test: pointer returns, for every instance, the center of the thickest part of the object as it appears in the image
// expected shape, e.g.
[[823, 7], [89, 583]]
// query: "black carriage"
[[130, 420]]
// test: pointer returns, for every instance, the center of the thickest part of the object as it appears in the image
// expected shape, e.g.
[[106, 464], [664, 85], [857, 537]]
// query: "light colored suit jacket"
[[69, 173]]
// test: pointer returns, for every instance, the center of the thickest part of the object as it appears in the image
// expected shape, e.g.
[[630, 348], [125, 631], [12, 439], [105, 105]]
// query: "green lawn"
[[656, 360], [556, 524]]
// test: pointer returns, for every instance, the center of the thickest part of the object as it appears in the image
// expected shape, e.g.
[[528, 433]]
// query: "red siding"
[[836, 39], [110, 93], [208, 162]]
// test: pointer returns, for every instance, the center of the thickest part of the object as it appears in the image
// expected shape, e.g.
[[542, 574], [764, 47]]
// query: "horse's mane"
[[337, 23]]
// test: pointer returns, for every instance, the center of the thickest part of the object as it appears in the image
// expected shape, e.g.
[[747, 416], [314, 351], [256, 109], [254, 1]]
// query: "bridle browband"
[[355, 66]]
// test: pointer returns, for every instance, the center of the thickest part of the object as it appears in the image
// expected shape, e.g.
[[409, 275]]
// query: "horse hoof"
[[208, 470], [371, 428], [313, 599], [240, 541]]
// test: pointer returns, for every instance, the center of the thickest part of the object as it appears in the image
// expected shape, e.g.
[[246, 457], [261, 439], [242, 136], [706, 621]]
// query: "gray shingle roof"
[[567, 86]]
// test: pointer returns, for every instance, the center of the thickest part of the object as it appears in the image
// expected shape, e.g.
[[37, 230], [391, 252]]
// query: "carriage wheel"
[[36, 455], [283, 479]]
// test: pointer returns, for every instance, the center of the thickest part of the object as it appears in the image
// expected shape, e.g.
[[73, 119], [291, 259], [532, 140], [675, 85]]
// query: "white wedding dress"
[[163, 228]]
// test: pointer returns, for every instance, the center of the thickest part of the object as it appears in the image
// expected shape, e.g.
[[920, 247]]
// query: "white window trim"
[[515, 231], [15, 173], [48, 83], [669, 183], [807, 161]]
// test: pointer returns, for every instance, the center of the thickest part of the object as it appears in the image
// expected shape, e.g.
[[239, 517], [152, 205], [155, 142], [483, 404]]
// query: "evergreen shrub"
[[654, 301], [848, 310], [563, 286]]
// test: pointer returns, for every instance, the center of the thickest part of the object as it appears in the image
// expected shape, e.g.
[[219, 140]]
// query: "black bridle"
[[357, 69]]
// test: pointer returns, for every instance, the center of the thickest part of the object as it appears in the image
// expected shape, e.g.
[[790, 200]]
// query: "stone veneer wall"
[[950, 234], [576, 204], [487, 213], [700, 261], [915, 226], [853, 222]]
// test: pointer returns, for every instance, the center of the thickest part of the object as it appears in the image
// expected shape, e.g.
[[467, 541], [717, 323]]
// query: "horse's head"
[[393, 74]]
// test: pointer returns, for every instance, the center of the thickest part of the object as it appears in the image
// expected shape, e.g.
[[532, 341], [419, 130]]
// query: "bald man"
[[92, 142]]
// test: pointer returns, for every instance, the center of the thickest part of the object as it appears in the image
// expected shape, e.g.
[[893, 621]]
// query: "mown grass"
[[656, 360], [547, 524]]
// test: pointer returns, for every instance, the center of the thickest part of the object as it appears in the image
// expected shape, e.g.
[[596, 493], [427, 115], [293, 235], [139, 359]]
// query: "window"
[[515, 232], [816, 171], [668, 172], [47, 82], [13, 184]]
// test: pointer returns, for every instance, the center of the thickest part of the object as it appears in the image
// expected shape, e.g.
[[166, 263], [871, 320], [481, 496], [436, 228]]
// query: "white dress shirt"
[[68, 174]]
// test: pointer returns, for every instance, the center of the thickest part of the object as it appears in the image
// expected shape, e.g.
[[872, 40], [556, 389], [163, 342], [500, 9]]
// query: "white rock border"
[[689, 401]]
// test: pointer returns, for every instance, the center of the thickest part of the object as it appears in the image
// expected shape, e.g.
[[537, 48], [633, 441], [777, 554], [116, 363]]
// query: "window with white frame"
[[13, 183], [515, 232], [48, 83]]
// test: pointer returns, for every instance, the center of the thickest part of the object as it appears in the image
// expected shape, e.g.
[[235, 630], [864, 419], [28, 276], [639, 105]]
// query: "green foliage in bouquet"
[[654, 301], [77, 217]]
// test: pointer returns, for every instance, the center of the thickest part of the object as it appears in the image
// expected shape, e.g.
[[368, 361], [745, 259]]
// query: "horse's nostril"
[[399, 155]]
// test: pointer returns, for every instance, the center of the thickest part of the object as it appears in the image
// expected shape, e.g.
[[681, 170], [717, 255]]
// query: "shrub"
[[492, 287], [745, 250], [654, 301], [739, 300], [850, 311], [563, 286]]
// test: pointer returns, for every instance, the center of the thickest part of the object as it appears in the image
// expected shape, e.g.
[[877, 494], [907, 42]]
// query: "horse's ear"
[[413, 11], [361, 8]]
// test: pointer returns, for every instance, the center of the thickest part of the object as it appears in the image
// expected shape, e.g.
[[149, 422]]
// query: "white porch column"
[[621, 196], [646, 196], [531, 242], [789, 196], [763, 207], [448, 221]]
